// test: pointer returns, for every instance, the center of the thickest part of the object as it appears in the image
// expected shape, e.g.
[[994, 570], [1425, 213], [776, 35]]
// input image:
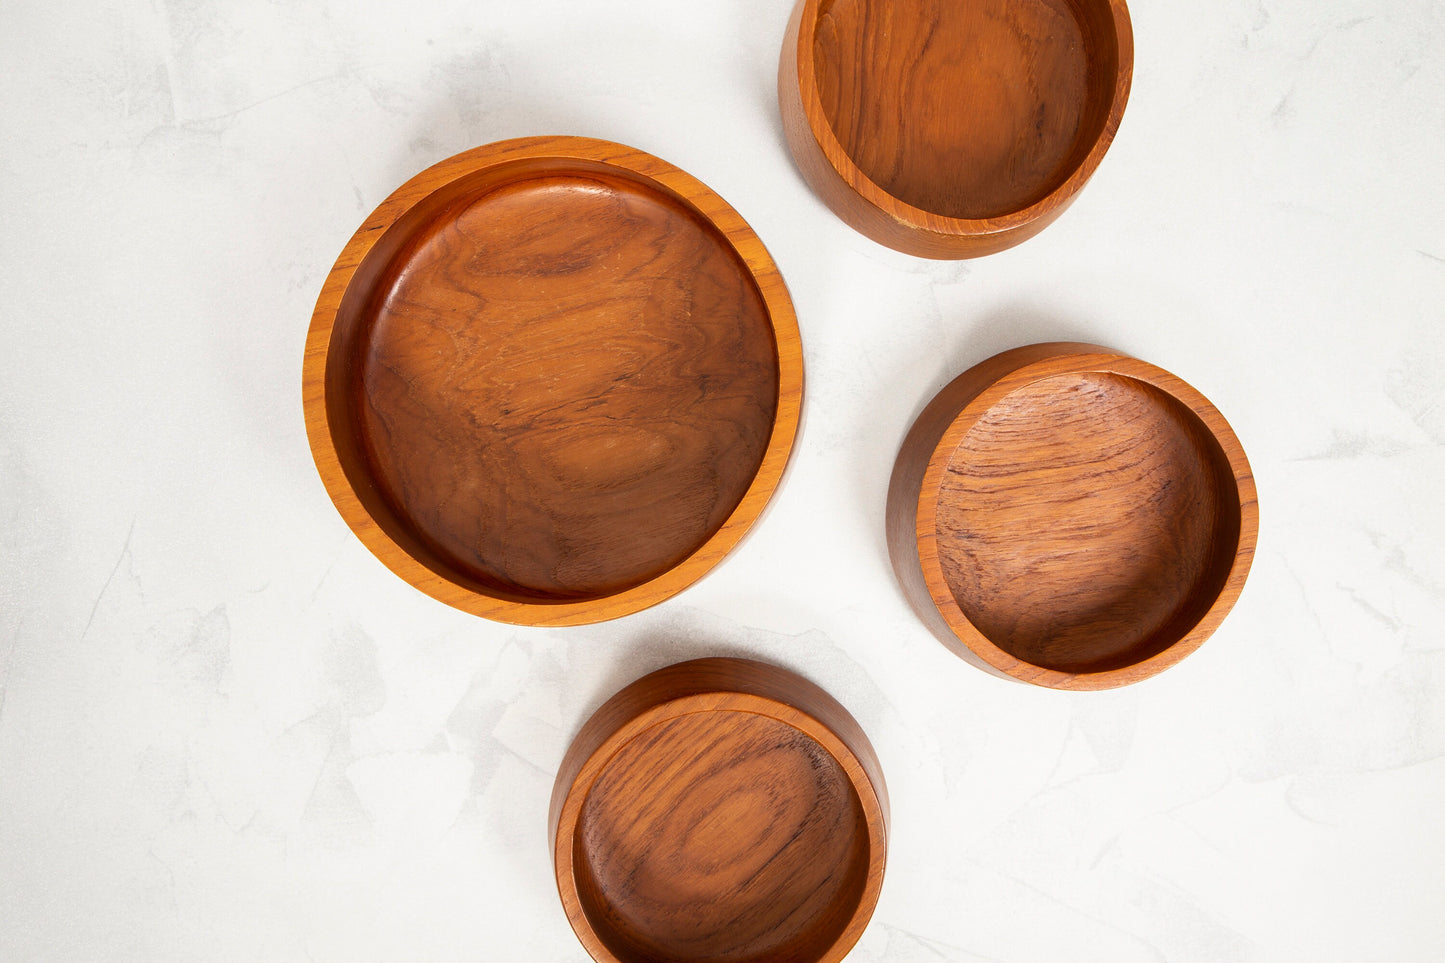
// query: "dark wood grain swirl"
[[567, 385], [729, 837], [1078, 517], [968, 108]]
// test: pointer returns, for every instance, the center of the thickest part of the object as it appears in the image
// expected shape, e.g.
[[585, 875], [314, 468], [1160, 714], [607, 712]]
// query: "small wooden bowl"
[[1066, 515], [953, 128], [719, 809], [552, 380]]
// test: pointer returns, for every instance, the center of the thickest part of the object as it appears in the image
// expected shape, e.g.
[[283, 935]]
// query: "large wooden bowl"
[[1072, 517], [719, 810], [552, 380], [953, 128]]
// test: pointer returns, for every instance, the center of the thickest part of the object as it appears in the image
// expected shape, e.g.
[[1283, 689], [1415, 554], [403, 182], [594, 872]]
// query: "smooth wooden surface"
[[1072, 517], [552, 380], [722, 810], [953, 128]]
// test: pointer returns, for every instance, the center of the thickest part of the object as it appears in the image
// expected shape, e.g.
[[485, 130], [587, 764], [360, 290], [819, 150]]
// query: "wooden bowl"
[[1072, 517], [953, 128], [719, 810], [552, 380]]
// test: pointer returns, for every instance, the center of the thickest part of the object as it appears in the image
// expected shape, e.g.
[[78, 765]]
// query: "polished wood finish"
[[1072, 517], [552, 380], [953, 128], [719, 810]]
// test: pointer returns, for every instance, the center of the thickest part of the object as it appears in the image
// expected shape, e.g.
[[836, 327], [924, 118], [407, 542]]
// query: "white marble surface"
[[228, 733]]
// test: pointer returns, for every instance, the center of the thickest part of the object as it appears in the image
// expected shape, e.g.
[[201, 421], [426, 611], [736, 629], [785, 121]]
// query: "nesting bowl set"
[[555, 380]]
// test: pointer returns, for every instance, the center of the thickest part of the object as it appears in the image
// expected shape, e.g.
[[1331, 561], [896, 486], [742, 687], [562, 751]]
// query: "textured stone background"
[[227, 733]]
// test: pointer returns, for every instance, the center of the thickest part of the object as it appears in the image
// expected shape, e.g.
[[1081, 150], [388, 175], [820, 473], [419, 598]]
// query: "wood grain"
[[559, 379], [1072, 517], [953, 128], [721, 810]]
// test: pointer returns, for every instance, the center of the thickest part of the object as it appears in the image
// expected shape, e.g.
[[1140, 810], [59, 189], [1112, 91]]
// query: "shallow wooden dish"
[[552, 380], [719, 810], [953, 128], [1072, 517]]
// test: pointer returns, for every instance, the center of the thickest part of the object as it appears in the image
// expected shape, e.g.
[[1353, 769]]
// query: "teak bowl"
[[719, 810], [953, 128], [552, 380], [1066, 515]]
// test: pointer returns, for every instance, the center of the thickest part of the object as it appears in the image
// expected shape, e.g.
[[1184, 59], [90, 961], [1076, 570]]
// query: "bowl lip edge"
[[670, 180], [1036, 362]]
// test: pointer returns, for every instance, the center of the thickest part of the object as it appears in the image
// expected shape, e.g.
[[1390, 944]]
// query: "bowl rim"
[[719, 684], [647, 171], [930, 222], [1018, 368]]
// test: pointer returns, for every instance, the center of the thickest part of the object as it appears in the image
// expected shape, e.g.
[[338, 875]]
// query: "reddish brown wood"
[[1069, 516], [953, 128], [552, 380], [721, 810]]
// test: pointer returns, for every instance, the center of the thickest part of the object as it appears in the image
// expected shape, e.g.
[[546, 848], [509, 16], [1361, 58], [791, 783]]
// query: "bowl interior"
[[723, 836], [552, 380], [1086, 522], [966, 108]]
